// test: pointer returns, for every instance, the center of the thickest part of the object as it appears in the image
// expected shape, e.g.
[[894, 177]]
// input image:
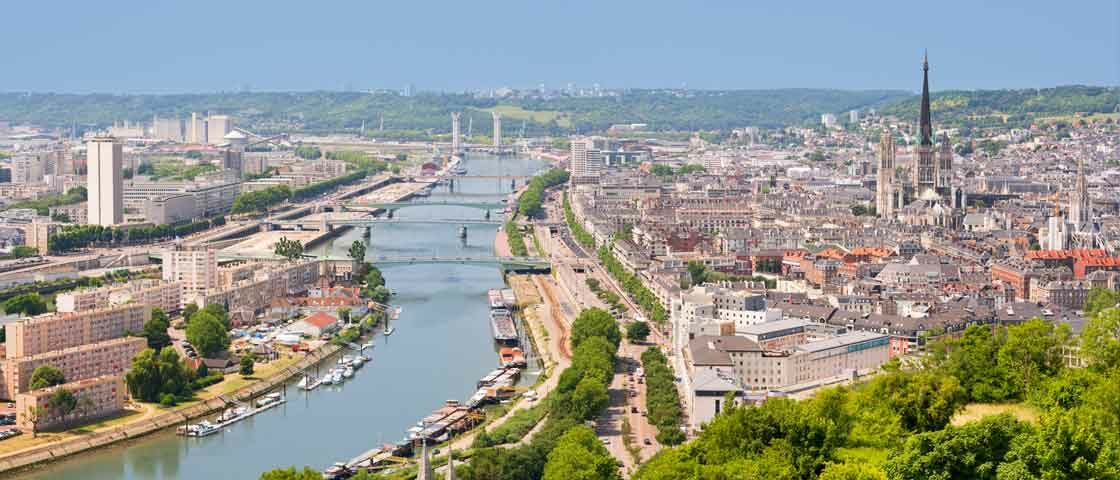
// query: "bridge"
[[429, 203], [516, 264], [474, 177], [369, 222]]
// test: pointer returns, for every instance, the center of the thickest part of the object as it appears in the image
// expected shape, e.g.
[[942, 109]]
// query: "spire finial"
[[925, 59]]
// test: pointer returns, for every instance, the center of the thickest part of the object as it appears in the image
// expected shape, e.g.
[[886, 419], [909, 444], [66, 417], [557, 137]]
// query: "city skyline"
[[720, 47]]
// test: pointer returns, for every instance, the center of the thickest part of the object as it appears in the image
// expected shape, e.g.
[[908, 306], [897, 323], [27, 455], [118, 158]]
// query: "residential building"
[[104, 158], [60, 330], [195, 268], [166, 296], [109, 357], [99, 397]]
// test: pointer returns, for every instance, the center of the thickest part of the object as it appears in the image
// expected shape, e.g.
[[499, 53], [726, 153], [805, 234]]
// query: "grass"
[[517, 113], [869, 455], [1093, 117], [976, 411], [42, 438]]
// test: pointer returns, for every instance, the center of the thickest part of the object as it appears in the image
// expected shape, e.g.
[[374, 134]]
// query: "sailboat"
[[388, 329]]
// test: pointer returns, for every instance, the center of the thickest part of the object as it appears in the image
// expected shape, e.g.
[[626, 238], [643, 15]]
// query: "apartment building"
[[250, 288], [705, 309], [98, 397], [111, 357], [195, 269], [167, 296], [62, 330]]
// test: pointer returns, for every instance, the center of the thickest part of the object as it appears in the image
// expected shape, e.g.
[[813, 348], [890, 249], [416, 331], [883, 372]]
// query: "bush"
[[167, 400]]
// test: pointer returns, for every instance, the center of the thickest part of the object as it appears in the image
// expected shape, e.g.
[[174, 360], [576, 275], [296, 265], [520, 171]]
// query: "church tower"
[[925, 173], [945, 165], [1080, 215], [884, 182]]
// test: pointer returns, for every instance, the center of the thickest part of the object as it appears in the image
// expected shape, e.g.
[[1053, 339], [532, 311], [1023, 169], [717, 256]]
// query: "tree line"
[[73, 237]]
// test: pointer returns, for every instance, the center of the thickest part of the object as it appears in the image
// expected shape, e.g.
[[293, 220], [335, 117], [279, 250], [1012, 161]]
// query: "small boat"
[[327, 379], [305, 383], [344, 360], [269, 400], [368, 345], [336, 377], [232, 414], [389, 331], [348, 373], [202, 429], [338, 471]]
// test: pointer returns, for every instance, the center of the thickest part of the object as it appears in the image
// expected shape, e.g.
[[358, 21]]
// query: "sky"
[[165, 46]]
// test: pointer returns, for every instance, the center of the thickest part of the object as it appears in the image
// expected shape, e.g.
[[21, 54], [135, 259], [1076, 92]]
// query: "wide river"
[[442, 345]]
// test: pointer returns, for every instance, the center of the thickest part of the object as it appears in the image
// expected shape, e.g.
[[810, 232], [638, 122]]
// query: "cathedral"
[[930, 197]]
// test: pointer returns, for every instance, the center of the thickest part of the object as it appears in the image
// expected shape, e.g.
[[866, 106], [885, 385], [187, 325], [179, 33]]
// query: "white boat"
[[336, 377], [268, 400], [348, 373], [327, 379], [202, 429], [305, 383], [344, 360], [231, 415], [389, 331], [368, 345]]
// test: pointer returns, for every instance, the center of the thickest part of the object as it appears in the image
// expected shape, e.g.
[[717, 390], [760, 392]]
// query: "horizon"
[[653, 45]]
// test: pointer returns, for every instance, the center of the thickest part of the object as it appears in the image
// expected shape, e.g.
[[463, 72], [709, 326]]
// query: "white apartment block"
[[104, 159], [195, 269], [167, 296]]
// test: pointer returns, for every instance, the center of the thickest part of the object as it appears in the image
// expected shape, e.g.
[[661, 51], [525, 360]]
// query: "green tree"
[[1100, 299], [1032, 352], [291, 473], [290, 249], [357, 252], [63, 402], [1065, 446], [189, 310], [246, 365], [154, 375], [219, 312], [24, 251], [637, 331], [588, 399], [45, 376], [595, 322], [1100, 339], [29, 304], [155, 330], [974, 450], [578, 455], [207, 334]]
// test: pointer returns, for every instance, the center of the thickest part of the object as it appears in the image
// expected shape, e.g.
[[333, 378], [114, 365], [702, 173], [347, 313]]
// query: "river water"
[[442, 345]]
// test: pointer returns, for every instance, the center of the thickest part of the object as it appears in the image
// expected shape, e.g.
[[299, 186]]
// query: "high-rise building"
[[217, 126], [196, 130], [828, 120], [925, 172], [104, 159], [497, 129], [170, 129], [455, 133], [195, 268], [884, 183], [853, 116], [28, 167], [586, 160]]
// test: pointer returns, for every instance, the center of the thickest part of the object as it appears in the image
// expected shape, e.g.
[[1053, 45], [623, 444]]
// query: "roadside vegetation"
[[663, 405], [43, 205], [73, 237]]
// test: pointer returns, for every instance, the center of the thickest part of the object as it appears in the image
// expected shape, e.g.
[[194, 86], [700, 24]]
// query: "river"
[[442, 345]]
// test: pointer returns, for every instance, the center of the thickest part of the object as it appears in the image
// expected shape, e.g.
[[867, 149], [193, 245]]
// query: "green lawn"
[[869, 455], [976, 411]]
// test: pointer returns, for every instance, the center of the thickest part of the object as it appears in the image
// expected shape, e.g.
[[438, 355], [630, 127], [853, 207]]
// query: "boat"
[[338, 471], [457, 170], [368, 345], [348, 373], [389, 331], [269, 400], [502, 326], [336, 377], [344, 360], [231, 415], [202, 429], [327, 379], [512, 357]]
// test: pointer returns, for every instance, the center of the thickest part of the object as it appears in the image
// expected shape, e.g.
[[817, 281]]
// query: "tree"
[[290, 249], [1066, 445], [45, 376], [578, 455], [1100, 299], [344, 314], [35, 415], [24, 251], [207, 333], [595, 322], [63, 402], [189, 311], [1100, 339], [1032, 352], [155, 330], [852, 471], [637, 331], [219, 312], [357, 252], [203, 371], [291, 473], [29, 304], [973, 450], [380, 294], [246, 365], [155, 375]]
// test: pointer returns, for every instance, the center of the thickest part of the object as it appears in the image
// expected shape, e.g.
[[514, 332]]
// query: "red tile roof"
[[321, 319]]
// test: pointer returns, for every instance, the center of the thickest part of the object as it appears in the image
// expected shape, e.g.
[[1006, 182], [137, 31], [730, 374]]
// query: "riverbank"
[[147, 424]]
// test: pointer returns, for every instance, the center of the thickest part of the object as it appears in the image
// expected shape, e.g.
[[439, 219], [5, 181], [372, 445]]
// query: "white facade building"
[[104, 159]]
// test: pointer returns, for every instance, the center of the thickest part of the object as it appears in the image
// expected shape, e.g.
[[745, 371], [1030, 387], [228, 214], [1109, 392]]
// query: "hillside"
[[1015, 108], [663, 110]]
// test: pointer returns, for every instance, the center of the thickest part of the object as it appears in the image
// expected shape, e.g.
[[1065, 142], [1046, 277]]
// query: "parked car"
[[646, 441]]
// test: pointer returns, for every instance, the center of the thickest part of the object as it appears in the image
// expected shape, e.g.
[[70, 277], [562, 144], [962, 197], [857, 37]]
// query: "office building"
[[586, 160], [104, 159]]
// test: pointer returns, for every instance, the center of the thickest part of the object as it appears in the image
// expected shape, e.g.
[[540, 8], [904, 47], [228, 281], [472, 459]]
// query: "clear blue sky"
[[210, 45]]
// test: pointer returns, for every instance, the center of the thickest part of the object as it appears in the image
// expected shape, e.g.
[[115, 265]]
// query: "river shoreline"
[[133, 430]]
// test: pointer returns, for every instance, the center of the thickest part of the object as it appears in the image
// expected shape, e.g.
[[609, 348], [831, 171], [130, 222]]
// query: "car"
[[605, 440], [633, 409], [11, 405], [646, 441]]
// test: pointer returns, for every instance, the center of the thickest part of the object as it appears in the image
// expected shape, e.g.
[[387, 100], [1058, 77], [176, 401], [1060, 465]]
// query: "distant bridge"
[[475, 177], [520, 264], [428, 203], [369, 222]]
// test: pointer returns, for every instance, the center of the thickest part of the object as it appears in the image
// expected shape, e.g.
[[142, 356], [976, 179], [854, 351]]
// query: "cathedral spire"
[[926, 127]]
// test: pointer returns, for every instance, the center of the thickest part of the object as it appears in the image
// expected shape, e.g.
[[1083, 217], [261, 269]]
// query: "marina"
[[231, 416], [444, 314]]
